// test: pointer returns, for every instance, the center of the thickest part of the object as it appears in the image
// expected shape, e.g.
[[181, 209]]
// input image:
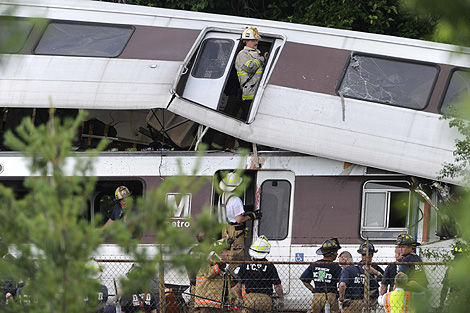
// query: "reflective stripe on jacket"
[[211, 287], [397, 301], [249, 64]]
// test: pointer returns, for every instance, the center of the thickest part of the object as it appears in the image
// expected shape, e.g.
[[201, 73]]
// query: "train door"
[[274, 197], [208, 76]]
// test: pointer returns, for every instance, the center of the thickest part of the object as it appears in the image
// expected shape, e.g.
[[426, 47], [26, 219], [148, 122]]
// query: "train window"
[[84, 39], [385, 208], [275, 203], [458, 88], [388, 81], [213, 58], [103, 198], [14, 34]]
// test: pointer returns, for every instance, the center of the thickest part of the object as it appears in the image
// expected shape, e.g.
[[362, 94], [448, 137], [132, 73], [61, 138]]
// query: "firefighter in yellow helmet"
[[232, 212], [120, 195], [249, 65], [259, 280]]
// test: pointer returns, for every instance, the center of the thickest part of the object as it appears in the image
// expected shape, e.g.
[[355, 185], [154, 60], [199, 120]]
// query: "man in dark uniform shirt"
[[351, 288], [140, 300], [325, 278], [259, 279], [388, 279]]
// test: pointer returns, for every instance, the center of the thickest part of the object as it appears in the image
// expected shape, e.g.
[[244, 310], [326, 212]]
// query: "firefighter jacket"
[[212, 287], [249, 64]]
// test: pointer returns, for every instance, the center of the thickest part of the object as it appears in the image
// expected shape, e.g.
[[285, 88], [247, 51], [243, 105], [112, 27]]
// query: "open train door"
[[275, 199], [208, 76]]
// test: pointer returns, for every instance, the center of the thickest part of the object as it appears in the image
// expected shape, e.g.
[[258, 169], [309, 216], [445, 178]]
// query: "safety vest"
[[397, 301]]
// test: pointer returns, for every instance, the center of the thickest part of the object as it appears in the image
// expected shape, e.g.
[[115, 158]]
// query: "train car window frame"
[[444, 106], [103, 198], [207, 67], [20, 30], [385, 209], [389, 81], [71, 39], [277, 225]]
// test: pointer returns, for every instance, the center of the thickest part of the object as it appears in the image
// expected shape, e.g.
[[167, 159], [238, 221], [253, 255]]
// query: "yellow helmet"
[[230, 182], [94, 268], [121, 193], [260, 248], [250, 33]]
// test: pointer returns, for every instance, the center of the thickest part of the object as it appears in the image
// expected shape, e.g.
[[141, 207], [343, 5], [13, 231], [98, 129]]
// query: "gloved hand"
[[345, 303], [254, 215], [223, 267]]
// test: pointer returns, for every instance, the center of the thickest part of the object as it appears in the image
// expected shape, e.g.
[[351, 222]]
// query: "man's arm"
[[109, 222], [383, 289], [342, 290], [309, 286], [242, 218], [279, 290]]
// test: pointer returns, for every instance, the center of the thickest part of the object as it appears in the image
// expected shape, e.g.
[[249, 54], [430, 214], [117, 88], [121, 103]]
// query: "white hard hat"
[[94, 268], [121, 193], [260, 248], [250, 33], [230, 182]]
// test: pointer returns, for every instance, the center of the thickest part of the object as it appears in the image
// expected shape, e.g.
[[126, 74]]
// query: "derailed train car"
[[364, 110], [304, 201], [361, 98]]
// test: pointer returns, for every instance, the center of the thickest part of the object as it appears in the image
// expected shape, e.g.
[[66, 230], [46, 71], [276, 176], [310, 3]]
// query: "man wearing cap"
[[325, 277], [232, 212], [417, 277], [417, 280], [367, 250]]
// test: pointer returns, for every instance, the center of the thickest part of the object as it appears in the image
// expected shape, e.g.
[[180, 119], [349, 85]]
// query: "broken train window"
[[385, 209], [458, 88], [390, 81]]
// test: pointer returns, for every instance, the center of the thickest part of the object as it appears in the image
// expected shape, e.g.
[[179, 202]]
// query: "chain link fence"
[[179, 295]]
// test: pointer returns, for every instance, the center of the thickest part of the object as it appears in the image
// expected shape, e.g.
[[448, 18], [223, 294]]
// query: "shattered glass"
[[388, 81], [213, 58], [94, 40], [459, 87]]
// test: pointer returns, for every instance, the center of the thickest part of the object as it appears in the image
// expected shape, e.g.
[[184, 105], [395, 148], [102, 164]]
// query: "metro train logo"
[[180, 206]]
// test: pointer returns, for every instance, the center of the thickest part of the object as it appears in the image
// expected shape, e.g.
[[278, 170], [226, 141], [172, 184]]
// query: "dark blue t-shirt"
[[117, 212], [354, 278], [414, 272], [259, 278], [324, 276], [388, 278]]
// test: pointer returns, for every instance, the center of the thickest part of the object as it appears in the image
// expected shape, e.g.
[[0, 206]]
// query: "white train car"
[[366, 99], [304, 200]]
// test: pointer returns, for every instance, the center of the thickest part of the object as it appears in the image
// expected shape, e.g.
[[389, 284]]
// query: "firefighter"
[[232, 212], [249, 65], [213, 282], [398, 300], [259, 280], [325, 278], [119, 210]]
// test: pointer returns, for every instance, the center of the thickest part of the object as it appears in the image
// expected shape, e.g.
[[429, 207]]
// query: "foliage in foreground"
[[50, 240]]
